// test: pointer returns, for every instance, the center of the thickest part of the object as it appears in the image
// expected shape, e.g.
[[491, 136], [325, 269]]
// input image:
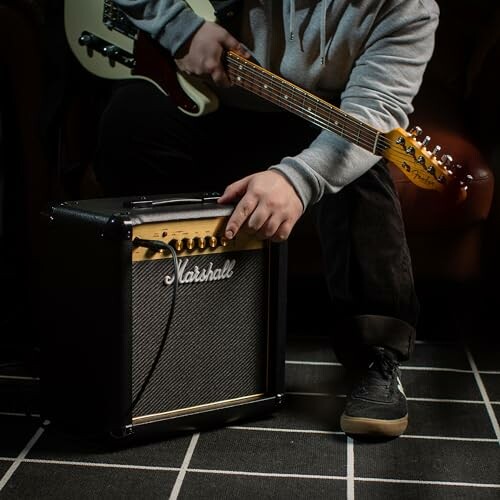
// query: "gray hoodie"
[[366, 56]]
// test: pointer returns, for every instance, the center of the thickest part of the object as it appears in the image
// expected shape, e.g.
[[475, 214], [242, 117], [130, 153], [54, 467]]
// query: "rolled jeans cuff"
[[386, 331]]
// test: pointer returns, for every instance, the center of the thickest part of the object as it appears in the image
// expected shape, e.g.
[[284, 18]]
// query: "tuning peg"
[[426, 140], [415, 131], [446, 160], [466, 181], [436, 150]]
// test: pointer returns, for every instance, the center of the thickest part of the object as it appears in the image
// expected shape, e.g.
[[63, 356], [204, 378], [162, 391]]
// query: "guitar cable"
[[157, 246]]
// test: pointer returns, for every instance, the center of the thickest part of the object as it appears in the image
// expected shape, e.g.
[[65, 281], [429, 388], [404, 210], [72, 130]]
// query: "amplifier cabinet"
[[153, 322]]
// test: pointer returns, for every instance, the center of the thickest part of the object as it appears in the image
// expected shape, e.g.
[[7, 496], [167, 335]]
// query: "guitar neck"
[[294, 99]]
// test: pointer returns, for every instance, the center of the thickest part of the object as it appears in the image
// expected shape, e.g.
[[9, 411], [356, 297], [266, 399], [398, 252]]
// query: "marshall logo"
[[197, 275]]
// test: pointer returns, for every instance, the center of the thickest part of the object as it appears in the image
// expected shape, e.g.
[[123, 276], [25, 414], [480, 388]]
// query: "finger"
[[242, 51], [240, 215], [220, 78], [283, 232], [268, 229], [234, 191], [231, 43], [257, 219], [275, 229]]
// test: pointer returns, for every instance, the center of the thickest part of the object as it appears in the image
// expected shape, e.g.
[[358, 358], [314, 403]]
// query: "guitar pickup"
[[114, 53]]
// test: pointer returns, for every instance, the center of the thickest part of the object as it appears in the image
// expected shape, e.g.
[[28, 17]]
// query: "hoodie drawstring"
[[323, 32], [291, 28]]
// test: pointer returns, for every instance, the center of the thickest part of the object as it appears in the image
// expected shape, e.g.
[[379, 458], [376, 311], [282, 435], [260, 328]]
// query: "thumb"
[[231, 43]]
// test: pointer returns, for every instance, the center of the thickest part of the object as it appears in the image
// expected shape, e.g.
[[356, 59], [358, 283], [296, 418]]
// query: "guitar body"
[[108, 46]]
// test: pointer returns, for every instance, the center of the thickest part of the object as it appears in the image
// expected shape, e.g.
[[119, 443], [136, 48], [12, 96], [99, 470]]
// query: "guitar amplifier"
[[153, 322]]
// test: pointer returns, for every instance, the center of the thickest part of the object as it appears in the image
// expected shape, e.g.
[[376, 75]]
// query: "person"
[[368, 58]]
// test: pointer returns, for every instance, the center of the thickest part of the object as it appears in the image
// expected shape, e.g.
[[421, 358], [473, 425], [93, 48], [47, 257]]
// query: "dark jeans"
[[146, 145]]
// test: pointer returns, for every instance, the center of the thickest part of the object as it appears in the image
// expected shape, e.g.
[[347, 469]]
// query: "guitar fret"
[[300, 102]]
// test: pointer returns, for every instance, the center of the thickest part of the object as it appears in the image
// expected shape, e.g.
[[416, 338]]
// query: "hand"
[[268, 206], [201, 55]]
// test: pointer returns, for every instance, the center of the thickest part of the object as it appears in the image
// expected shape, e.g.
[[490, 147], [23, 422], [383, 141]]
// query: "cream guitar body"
[[106, 44]]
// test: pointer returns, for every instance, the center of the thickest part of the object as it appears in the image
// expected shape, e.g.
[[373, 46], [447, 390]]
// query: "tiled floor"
[[450, 450]]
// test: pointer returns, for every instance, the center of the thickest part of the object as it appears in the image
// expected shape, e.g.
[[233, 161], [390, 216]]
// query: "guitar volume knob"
[[86, 39], [110, 50]]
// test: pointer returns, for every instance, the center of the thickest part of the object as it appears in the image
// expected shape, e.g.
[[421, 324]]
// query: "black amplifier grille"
[[217, 346]]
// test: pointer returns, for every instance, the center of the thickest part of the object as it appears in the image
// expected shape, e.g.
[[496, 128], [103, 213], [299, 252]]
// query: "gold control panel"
[[190, 237]]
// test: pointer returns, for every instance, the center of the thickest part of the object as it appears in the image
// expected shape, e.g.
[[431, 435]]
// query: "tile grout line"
[[276, 474], [266, 474], [341, 433], [424, 400], [184, 467], [350, 468], [408, 368], [423, 481], [484, 394], [22, 455]]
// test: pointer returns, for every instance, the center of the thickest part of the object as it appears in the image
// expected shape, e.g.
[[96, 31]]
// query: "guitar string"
[[255, 86], [264, 75], [381, 140], [325, 122]]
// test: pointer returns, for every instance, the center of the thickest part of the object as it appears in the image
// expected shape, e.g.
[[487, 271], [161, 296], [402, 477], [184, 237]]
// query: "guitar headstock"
[[421, 164]]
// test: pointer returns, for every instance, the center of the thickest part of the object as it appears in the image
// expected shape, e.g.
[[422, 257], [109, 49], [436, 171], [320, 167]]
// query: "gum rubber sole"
[[372, 426]]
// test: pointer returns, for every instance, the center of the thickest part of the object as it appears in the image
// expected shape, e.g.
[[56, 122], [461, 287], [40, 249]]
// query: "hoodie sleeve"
[[170, 22], [384, 80]]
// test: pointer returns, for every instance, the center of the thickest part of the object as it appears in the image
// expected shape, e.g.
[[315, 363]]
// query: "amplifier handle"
[[144, 202]]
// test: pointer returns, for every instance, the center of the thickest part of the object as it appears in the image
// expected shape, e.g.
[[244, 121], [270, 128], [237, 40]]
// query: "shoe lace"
[[382, 368]]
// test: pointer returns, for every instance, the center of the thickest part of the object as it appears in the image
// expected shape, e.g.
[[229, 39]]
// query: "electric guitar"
[[107, 44]]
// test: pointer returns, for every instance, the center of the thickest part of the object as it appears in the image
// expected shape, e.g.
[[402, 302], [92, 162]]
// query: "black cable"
[[156, 246]]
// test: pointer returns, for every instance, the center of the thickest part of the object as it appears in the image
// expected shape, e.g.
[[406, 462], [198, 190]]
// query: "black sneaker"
[[377, 404]]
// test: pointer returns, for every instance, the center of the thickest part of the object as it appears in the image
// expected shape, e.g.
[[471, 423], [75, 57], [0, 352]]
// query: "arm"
[[170, 22], [381, 86], [383, 82], [197, 45]]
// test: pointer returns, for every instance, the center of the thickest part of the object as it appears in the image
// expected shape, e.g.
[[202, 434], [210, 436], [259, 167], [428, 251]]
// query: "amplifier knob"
[[177, 244], [201, 243], [212, 242], [224, 241], [189, 243]]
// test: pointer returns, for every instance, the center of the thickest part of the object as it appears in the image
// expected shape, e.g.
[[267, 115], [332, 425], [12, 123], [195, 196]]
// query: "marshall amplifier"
[[153, 321]]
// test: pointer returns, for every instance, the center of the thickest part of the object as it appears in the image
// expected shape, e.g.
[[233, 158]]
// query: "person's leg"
[[370, 280], [367, 263], [146, 145]]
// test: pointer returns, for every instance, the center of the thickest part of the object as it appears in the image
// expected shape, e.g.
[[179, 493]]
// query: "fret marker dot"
[[265, 86], [238, 78]]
